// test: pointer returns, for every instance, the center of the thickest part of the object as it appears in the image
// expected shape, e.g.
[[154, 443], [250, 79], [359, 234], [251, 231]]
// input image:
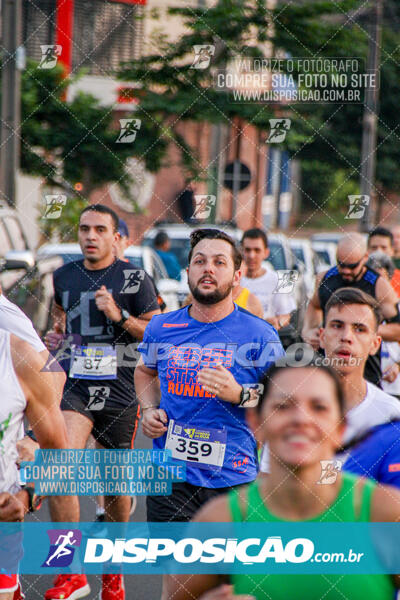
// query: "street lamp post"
[[11, 99], [370, 119]]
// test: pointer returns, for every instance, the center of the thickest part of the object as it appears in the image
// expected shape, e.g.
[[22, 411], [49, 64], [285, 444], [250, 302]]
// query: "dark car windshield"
[[137, 261], [180, 247], [299, 254], [277, 256], [324, 256], [68, 257]]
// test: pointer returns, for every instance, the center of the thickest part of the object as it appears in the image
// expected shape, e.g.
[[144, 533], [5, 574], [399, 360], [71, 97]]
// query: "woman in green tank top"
[[301, 417]]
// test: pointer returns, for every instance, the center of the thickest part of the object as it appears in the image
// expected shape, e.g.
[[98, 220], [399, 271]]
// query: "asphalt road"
[[138, 587]]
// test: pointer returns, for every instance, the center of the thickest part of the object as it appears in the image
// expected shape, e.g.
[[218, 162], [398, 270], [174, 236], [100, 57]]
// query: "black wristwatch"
[[250, 395], [29, 433], [124, 317], [245, 396]]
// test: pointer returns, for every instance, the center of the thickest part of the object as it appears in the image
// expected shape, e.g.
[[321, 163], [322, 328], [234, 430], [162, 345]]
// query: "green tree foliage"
[[71, 142], [65, 226], [325, 137]]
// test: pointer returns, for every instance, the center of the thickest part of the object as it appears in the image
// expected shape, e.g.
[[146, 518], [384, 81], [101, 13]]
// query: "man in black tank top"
[[351, 271]]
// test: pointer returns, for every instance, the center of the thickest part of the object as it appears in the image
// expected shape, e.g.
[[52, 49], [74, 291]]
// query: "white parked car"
[[328, 237], [140, 257], [326, 252], [305, 256]]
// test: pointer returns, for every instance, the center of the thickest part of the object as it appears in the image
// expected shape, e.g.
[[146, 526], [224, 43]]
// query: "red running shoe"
[[68, 587], [18, 594], [113, 587]]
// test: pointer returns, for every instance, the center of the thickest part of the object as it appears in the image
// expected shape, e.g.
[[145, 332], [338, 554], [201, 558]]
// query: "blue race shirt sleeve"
[[389, 469], [378, 456]]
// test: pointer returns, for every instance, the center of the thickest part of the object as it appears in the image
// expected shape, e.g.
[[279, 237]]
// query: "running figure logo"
[[50, 56], [54, 205], [286, 281], [279, 129], [133, 277], [204, 203], [329, 471], [357, 206], [63, 543], [98, 397], [202, 56], [129, 129]]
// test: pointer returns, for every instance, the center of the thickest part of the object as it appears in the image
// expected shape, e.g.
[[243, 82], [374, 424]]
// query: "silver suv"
[[15, 255]]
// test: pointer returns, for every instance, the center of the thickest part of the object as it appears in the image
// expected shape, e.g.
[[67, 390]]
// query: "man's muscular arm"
[[134, 325], [43, 402], [313, 317], [254, 306], [42, 396], [388, 300]]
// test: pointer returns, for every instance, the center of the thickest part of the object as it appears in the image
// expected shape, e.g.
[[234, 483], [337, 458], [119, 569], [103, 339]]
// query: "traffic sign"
[[237, 176]]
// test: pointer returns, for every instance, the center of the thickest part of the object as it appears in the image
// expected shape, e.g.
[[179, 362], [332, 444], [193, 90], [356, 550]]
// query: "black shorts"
[[182, 504], [114, 427]]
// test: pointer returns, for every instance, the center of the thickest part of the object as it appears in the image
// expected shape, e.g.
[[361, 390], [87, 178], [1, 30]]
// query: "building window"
[[39, 26], [105, 32]]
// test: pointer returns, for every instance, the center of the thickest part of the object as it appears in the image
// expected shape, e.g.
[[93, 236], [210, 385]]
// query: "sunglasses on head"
[[343, 265]]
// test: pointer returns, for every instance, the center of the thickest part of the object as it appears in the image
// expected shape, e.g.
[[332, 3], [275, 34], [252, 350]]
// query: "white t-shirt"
[[376, 408], [12, 408], [390, 354], [15, 321], [274, 304]]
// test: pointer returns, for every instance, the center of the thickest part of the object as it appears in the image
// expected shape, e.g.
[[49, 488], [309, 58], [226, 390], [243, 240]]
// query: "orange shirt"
[[395, 281]]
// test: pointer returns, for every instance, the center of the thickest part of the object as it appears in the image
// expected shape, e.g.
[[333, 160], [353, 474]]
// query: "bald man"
[[351, 270]]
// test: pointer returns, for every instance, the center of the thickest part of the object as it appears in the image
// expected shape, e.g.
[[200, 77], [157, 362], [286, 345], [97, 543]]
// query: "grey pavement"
[[138, 587]]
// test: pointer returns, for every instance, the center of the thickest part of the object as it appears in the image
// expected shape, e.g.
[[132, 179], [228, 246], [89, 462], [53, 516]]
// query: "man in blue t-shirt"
[[377, 454], [162, 246], [208, 357]]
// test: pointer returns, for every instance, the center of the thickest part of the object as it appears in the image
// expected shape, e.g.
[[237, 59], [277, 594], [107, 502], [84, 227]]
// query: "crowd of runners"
[[275, 423]]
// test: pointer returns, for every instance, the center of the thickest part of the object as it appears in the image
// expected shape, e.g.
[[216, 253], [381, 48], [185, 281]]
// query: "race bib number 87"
[[202, 448], [93, 362]]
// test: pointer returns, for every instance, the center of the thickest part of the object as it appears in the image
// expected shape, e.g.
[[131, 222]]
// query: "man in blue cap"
[[162, 246]]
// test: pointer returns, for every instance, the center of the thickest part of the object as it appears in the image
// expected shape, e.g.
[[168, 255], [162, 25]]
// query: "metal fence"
[[105, 33], [38, 25]]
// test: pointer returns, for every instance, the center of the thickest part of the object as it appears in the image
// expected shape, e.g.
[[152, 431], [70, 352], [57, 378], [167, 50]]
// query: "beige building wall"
[[157, 22], [29, 203]]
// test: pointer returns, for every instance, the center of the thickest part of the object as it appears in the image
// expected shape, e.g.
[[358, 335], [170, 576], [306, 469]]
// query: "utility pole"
[[370, 119], [11, 98]]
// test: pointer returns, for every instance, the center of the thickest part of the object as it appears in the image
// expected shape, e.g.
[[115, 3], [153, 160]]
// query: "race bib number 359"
[[93, 362], [202, 448]]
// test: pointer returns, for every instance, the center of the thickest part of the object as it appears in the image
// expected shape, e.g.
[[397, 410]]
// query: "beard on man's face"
[[351, 277], [220, 293]]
